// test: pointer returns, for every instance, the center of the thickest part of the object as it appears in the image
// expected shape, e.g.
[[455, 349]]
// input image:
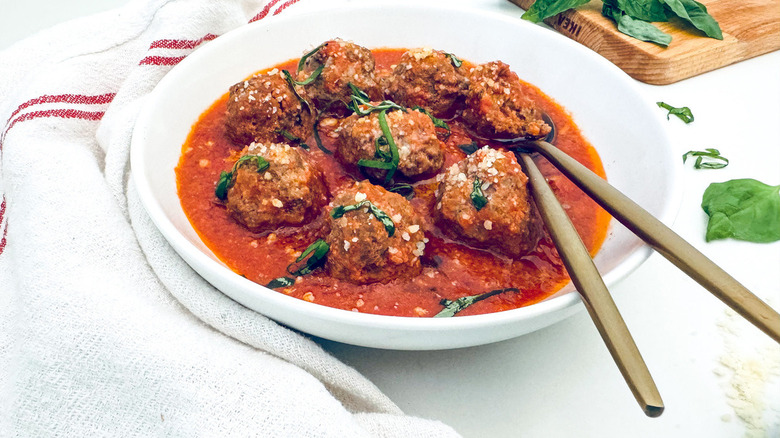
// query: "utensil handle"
[[596, 297], [661, 238]]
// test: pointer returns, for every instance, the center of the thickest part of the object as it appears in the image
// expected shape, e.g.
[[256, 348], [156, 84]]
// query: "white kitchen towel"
[[104, 330]]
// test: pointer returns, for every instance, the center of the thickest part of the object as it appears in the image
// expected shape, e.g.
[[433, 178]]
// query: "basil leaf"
[[542, 9], [403, 189], [373, 209], [261, 163], [375, 164], [360, 98], [711, 154], [743, 209], [291, 82], [307, 55], [388, 161], [451, 307], [289, 136], [280, 282], [454, 59], [227, 179], [379, 149], [288, 77], [224, 183], [683, 113], [645, 10], [477, 197], [641, 30], [439, 123], [318, 250], [469, 148], [696, 14]]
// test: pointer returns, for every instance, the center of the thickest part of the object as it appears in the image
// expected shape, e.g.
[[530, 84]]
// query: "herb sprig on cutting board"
[[635, 17]]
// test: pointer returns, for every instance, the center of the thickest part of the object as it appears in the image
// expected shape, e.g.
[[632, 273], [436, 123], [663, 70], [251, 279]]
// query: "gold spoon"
[[594, 292], [661, 238]]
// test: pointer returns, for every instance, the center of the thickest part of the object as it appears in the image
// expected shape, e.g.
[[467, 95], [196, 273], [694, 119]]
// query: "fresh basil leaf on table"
[[714, 159], [743, 209], [682, 113]]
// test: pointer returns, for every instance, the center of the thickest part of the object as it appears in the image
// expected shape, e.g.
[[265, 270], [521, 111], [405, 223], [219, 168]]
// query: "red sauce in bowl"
[[451, 269]]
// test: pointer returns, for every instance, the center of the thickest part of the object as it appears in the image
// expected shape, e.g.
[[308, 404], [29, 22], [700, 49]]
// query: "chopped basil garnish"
[[308, 55], [469, 148], [360, 98], [453, 307], [387, 160], [318, 250], [454, 60], [223, 184], [683, 113], [439, 123], [743, 209], [306, 81], [317, 138], [714, 159], [292, 82], [403, 189], [373, 209], [289, 136], [477, 197], [280, 282], [227, 179]]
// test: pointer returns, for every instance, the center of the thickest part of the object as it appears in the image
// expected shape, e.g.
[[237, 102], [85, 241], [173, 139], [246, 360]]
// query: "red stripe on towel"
[[62, 113], [285, 5], [3, 240], [265, 11], [5, 230], [181, 44], [161, 60], [68, 98]]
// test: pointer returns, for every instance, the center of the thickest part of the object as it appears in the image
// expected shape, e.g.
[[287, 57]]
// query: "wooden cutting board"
[[750, 28]]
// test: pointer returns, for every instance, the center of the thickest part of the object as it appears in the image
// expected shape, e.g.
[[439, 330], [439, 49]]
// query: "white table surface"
[[718, 376]]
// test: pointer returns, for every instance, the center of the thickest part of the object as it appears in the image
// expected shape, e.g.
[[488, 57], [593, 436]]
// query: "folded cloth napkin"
[[104, 330]]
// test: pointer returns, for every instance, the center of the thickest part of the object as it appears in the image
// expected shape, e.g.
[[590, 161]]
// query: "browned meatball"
[[507, 222], [343, 63], [361, 248], [260, 108], [419, 150], [496, 106], [290, 191], [427, 78]]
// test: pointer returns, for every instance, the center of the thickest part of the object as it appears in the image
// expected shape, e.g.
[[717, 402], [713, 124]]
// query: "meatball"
[[361, 248], [290, 191], [507, 222], [496, 106], [427, 78], [261, 108], [342, 63], [419, 150]]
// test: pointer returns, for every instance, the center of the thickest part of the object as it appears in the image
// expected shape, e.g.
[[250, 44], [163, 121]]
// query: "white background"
[[561, 381]]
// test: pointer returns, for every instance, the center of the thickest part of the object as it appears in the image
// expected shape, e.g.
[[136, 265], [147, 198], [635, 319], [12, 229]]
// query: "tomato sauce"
[[450, 269]]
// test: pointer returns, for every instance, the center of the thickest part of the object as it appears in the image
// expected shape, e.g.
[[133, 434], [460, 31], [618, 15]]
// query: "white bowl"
[[613, 115]]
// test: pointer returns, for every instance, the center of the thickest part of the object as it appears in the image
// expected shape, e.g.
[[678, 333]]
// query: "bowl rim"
[[193, 255]]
